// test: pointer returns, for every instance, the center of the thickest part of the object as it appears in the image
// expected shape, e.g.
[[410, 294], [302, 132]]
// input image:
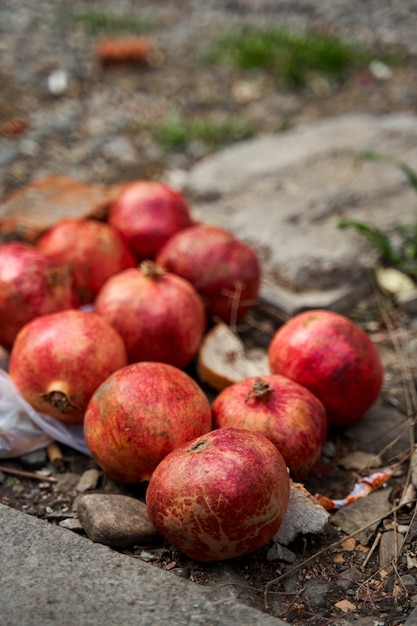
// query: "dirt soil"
[[87, 132]]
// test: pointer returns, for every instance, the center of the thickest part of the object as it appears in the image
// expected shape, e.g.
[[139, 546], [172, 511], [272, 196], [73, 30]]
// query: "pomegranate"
[[59, 360], [281, 410], [147, 213], [223, 269], [331, 356], [31, 284], [91, 249], [159, 315], [220, 496], [140, 414]]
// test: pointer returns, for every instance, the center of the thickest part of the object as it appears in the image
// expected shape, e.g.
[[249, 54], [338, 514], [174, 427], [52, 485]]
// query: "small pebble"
[[72, 523], [58, 82], [380, 70], [280, 553], [115, 520]]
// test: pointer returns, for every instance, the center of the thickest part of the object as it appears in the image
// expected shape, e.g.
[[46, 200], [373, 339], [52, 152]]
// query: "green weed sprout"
[[290, 57], [176, 132], [403, 256]]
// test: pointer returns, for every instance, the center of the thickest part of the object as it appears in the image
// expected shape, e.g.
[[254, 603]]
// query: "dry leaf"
[[345, 606], [349, 544], [393, 281], [130, 50]]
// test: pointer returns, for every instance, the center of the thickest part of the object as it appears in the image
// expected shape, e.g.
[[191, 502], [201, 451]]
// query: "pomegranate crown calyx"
[[150, 269], [261, 390]]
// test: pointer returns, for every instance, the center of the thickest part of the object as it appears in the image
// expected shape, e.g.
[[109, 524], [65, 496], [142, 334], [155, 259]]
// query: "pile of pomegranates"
[[218, 474]]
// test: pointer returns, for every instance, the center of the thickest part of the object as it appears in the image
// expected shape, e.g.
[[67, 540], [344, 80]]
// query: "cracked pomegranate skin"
[[72, 350], [140, 414], [220, 496], [280, 409], [92, 250], [224, 270], [331, 356], [31, 285]]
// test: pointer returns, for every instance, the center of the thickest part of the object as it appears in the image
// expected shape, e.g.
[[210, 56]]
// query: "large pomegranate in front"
[[140, 414], [159, 315], [223, 269], [280, 409], [59, 360], [31, 284], [220, 496], [331, 356], [92, 250]]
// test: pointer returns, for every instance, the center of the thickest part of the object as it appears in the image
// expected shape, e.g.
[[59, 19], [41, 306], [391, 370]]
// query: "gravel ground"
[[99, 128]]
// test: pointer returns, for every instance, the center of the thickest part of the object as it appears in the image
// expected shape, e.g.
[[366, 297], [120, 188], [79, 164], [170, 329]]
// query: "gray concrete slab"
[[49, 575], [286, 193]]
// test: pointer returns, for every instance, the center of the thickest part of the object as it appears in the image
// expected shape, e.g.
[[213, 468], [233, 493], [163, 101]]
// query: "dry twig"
[[24, 474]]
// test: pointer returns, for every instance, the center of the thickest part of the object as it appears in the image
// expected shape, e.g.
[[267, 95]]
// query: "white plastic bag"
[[22, 429]]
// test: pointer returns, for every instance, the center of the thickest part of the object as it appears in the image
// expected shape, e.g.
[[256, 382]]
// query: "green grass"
[[176, 132], [97, 22], [291, 58]]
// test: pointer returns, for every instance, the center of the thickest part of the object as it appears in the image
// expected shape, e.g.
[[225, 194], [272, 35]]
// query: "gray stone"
[[349, 578], [116, 520], [381, 428], [72, 523], [286, 193], [315, 592], [411, 619], [389, 547], [362, 517], [57, 577], [280, 553]]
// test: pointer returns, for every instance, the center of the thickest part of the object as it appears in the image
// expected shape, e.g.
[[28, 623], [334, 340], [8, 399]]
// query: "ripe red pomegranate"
[[159, 315], [140, 414], [331, 356], [31, 284], [281, 410], [91, 249], [220, 496], [59, 360], [147, 213], [223, 269]]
